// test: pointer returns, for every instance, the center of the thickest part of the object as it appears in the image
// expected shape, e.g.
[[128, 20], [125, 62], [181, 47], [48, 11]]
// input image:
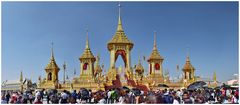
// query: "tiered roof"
[[120, 37], [188, 66]]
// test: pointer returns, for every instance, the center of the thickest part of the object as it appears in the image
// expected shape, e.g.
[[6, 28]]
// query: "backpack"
[[74, 95], [168, 99], [85, 94], [114, 95]]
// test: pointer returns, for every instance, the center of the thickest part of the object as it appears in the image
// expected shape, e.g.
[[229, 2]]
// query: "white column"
[[81, 68], [149, 68], [89, 68], [112, 58], [127, 58], [161, 69], [47, 75], [153, 68], [187, 74]]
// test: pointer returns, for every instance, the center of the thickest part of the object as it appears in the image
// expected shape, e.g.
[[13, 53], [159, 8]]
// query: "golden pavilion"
[[91, 72]]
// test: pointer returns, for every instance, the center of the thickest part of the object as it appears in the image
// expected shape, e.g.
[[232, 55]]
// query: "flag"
[[177, 67], [67, 77], [102, 66], [64, 65], [74, 71]]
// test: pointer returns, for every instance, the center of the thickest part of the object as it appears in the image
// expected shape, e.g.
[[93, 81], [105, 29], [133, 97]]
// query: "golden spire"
[[87, 52], [155, 54], [52, 54], [119, 37], [188, 58], [21, 77], [87, 43], [52, 64], [214, 76], [155, 43], [119, 28]]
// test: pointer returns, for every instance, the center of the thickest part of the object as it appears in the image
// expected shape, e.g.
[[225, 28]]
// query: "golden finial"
[[21, 77], [188, 58], [155, 43], [214, 76], [87, 43], [119, 28], [52, 54]]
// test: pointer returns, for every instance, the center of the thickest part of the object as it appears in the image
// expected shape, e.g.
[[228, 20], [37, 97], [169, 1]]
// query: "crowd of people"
[[124, 95]]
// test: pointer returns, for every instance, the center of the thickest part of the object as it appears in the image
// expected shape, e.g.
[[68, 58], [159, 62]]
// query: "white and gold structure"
[[51, 70], [91, 76], [155, 64]]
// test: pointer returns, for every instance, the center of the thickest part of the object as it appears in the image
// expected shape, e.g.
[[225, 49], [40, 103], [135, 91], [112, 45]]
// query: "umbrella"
[[84, 94], [196, 85], [207, 88], [218, 87], [163, 85], [225, 86], [125, 88], [53, 91]]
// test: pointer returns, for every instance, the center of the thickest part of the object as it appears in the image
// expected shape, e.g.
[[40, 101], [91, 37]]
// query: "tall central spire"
[[87, 52], [155, 54], [119, 37], [119, 28]]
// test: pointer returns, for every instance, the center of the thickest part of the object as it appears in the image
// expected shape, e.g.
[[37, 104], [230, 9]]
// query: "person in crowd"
[[186, 98], [45, 98], [38, 100], [7, 97], [64, 97], [124, 96], [3, 100], [74, 94]]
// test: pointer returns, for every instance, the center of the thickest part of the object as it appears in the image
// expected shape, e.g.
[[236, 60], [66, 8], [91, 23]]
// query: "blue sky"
[[208, 29]]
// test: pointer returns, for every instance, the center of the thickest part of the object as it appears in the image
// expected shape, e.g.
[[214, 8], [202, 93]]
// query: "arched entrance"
[[122, 53], [50, 76]]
